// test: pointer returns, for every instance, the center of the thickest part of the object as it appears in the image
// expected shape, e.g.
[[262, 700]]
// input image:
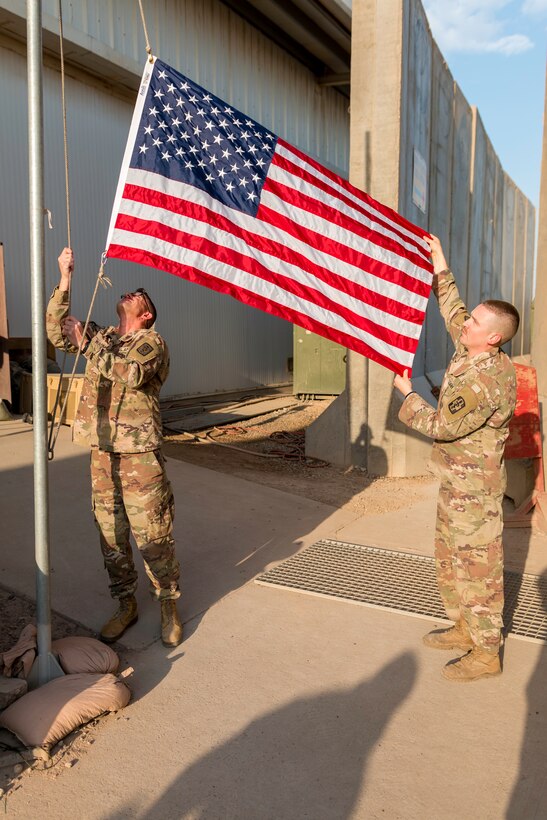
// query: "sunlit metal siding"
[[216, 343]]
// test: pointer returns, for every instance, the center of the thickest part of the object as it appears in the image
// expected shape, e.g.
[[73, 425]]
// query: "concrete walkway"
[[277, 705]]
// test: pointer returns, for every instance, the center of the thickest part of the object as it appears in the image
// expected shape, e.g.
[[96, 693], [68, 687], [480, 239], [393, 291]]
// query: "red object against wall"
[[524, 440]]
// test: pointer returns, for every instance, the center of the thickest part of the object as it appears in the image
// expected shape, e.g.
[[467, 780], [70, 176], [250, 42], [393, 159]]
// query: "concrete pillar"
[[539, 335], [360, 427]]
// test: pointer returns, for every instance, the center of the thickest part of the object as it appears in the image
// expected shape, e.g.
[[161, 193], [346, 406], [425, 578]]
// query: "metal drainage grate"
[[400, 582]]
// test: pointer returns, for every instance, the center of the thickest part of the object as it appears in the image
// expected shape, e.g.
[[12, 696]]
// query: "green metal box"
[[319, 365]]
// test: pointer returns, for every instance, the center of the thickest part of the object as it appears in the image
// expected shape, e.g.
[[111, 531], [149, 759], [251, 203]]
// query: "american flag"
[[208, 194]]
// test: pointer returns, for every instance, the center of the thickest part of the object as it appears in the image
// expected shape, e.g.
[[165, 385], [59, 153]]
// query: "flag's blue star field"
[[189, 135]]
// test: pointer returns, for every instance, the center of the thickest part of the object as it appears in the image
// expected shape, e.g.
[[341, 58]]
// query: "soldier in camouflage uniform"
[[119, 418], [470, 425]]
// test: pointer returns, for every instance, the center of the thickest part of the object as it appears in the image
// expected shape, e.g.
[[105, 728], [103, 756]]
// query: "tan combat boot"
[[475, 665], [171, 627], [125, 615], [456, 637]]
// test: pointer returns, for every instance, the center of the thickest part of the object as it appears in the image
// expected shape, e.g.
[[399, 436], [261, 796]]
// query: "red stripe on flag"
[[247, 297], [357, 192], [249, 265], [342, 252], [325, 210], [286, 254]]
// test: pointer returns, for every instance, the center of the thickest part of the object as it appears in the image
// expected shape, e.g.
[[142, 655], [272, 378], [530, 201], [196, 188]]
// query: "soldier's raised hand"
[[437, 254], [66, 267]]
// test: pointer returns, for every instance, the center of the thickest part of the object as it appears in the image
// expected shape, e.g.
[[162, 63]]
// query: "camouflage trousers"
[[131, 493], [469, 560]]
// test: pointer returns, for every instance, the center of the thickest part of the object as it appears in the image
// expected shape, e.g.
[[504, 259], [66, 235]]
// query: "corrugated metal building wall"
[[216, 343]]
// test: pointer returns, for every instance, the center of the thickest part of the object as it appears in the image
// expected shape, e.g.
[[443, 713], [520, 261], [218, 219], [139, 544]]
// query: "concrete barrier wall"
[[529, 247], [416, 118], [528, 307], [484, 221], [518, 244], [477, 251], [489, 276], [441, 161], [519, 269], [460, 200], [508, 238], [497, 256]]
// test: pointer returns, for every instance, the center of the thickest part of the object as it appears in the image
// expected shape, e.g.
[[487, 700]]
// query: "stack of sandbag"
[[88, 689]]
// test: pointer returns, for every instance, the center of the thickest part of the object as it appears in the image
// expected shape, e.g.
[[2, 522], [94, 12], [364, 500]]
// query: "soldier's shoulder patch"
[[460, 403], [456, 404], [144, 350]]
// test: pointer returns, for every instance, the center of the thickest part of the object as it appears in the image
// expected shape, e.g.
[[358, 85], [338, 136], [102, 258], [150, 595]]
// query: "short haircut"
[[508, 318]]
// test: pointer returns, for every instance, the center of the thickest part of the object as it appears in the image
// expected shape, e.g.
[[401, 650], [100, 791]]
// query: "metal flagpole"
[[45, 666]]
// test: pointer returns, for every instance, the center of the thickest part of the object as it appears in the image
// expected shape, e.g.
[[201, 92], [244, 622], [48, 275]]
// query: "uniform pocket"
[[474, 519]]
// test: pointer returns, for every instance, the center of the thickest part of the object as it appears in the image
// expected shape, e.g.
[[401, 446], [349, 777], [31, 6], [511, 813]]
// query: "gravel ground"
[[16, 612], [269, 449]]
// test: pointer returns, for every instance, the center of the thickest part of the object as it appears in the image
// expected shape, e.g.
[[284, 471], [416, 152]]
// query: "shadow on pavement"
[[529, 797], [306, 759], [227, 531]]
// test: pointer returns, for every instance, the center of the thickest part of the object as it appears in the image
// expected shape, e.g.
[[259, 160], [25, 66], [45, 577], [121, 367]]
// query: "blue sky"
[[496, 52]]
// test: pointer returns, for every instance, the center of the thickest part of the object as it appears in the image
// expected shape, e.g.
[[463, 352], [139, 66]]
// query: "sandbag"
[[47, 714], [17, 661], [77, 654]]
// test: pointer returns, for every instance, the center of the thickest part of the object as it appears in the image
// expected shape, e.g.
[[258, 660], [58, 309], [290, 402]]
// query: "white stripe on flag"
[[249, 282], [284, 150], [182, 191], [346, 236], [330, 230], [225, 239]]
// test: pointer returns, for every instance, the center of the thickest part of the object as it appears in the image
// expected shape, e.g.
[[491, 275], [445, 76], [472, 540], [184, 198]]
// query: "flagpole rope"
[[67, 197], [54, 431], [101, 278], [146, 37], [65, 138]]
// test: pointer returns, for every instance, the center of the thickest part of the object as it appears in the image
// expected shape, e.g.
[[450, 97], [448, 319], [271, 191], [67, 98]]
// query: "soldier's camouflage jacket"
[[476, 403], [119, 409]]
